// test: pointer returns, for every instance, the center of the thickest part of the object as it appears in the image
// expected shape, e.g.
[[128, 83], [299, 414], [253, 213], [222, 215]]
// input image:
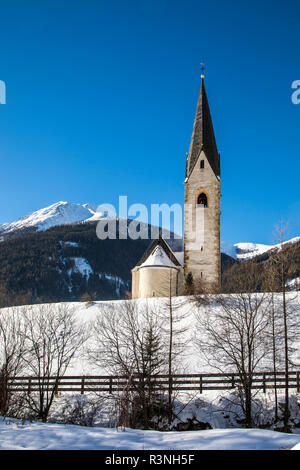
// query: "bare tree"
[[128, 343], [275, 353], [231, 337], [53, 336], [280, 269], [275, 332], [12, 352], [174, 313]]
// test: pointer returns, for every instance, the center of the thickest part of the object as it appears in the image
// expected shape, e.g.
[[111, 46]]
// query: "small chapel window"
[[202, 200], [202, 164]]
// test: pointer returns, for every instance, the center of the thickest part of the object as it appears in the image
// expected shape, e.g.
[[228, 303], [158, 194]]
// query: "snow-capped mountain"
[[228, 249], [60, 213], [64, 213], [245, 251], [70, 260]]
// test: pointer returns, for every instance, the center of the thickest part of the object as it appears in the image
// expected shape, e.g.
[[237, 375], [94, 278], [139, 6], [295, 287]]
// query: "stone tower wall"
[[202, 225]]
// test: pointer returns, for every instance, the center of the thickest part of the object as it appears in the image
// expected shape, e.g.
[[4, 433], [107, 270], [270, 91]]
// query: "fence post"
[[264, 383], [56, 387], [298, 382], [201, 385], [232, 381], [29, 386], [82, 385], [170, 385], [110, 385]]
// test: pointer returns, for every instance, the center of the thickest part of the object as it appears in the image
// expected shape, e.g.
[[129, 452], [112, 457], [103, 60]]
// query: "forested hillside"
[[66, 262]]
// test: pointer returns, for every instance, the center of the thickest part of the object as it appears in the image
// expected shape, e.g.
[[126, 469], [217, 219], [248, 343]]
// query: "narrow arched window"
[[201, 163], [202, 200]]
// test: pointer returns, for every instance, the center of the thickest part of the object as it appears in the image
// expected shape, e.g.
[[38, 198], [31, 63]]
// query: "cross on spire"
[[202, 68]]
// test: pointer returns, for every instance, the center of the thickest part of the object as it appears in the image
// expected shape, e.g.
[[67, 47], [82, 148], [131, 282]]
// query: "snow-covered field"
[[206, 408], [191, 360], [39, 436]]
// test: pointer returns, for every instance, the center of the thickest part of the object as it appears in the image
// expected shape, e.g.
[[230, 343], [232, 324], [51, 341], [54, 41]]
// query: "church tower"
[[202, 200]]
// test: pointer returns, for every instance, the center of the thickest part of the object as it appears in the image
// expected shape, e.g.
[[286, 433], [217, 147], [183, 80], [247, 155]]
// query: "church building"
[[162, 272]]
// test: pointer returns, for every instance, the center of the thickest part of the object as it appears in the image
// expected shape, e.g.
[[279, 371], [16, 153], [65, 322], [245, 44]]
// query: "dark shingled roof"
[[203, 137]]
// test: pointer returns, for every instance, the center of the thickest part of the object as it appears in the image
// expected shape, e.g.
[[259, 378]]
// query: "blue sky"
[[101, 97]]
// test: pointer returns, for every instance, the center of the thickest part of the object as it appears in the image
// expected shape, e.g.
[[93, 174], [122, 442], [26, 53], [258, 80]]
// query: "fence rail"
[[184, 382]]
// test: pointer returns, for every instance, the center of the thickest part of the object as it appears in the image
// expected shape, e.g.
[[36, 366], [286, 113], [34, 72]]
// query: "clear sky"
[[101, 97]]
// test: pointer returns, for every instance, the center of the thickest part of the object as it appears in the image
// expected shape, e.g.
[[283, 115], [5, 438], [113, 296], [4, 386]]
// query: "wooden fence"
[[185, 382]]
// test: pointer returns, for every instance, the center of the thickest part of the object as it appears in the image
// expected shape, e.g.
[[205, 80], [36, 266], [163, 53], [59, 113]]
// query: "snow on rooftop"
[[180, 257], [158, 257]]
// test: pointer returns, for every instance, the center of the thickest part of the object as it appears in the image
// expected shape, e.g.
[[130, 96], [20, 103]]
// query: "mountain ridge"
[[67, 213], [66, 262]]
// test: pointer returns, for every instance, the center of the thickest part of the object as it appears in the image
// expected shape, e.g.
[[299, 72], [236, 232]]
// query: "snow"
[[75, 244], [48, 436], [228, 249], [158, 257], [81, 266], [63, 213], [293, 283], [191, 360], [250, 250], [245, 250], [60, 213], [114, 280], [180, 257], [207, 407]]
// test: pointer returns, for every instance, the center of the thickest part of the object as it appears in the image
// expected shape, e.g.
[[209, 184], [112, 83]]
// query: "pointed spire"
[[203, 137]]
